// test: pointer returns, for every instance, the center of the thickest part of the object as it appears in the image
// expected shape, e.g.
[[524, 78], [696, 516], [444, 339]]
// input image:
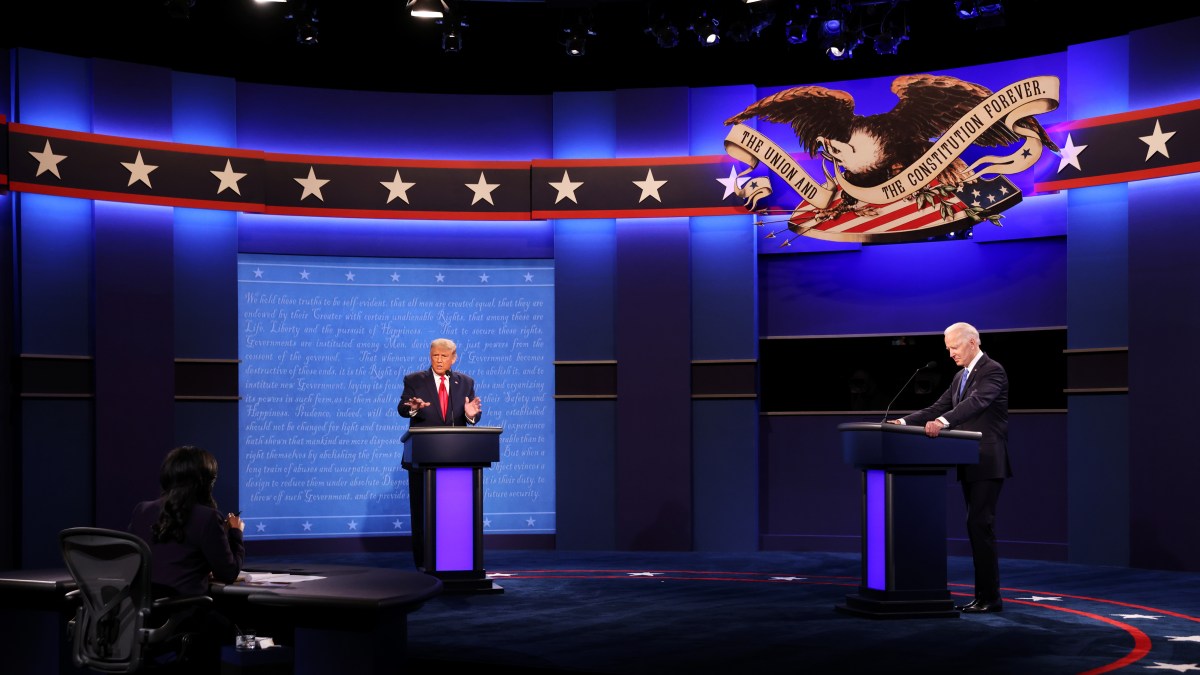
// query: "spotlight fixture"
[[708, 30], [886, 43], [664, 32], [428, 9], [795, 32], [576, 42], [307, 31], [452, 40], [452, 32], [842, 48], [974, 9], [796, 24], [749, 25], [982, 13]]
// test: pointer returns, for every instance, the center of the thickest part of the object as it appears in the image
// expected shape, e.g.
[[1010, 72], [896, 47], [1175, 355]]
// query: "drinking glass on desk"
[[246, 640]]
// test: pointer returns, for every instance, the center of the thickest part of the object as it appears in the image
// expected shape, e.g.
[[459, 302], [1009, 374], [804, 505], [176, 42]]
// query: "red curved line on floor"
[[1141, 641], [1144, 608]]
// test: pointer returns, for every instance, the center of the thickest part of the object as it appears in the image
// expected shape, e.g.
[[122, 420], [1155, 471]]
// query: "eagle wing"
[[812, 112], [930, 104]]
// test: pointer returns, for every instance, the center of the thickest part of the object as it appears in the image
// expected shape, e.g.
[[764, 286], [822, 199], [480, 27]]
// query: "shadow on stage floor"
[[773, 612]]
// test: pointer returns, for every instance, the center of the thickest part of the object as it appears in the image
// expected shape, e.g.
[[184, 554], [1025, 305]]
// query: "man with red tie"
[[435, 397]]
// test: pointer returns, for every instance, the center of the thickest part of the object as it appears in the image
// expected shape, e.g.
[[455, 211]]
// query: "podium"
[[450, 462], [904, 517]]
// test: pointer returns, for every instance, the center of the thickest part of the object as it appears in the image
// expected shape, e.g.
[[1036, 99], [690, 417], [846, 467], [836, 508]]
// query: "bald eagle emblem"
[[900, 175]]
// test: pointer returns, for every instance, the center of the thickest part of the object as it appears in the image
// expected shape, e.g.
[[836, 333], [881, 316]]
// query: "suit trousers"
[[981, 497]]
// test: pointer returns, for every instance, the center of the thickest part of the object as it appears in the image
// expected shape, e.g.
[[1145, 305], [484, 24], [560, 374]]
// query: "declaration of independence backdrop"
[[324, 344]]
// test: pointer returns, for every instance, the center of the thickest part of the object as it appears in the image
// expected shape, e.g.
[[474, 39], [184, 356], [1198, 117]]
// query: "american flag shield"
[[933, 211]]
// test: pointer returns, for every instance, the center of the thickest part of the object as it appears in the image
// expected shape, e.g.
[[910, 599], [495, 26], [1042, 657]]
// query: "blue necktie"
[[962, 384]]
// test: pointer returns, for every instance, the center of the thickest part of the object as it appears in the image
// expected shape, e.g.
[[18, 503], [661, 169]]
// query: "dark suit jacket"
[[207, 548], [983, 408], [423, 385]]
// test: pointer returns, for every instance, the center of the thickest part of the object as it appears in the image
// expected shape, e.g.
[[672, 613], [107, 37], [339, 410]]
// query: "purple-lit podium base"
[[904, 517], [451, 461]]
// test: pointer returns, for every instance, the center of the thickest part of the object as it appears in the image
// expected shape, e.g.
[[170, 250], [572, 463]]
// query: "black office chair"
[[119, 627]]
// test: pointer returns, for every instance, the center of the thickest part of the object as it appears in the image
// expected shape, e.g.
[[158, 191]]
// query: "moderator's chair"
[[119, 627]]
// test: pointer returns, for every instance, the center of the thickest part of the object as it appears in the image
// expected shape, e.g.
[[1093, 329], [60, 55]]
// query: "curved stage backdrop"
[[324, 344]]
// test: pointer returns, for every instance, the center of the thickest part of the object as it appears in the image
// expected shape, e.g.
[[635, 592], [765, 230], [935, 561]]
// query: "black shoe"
[[978, 606]]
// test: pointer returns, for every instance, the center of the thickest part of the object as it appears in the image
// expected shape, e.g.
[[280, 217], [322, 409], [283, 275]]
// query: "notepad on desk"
[[273, 578]]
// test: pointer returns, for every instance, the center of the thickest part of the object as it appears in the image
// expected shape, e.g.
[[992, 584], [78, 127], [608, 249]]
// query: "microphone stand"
[[931, 364]]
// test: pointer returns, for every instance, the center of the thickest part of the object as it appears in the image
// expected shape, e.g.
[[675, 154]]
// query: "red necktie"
[[443, 397]]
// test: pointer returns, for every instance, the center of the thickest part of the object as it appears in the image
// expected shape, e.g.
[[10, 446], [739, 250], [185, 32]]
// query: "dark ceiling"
[[515, 46]]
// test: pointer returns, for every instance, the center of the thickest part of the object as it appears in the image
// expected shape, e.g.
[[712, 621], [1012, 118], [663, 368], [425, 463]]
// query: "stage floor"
[[774, 612]]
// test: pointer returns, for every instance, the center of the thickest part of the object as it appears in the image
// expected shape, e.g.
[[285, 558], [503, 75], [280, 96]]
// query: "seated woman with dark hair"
[[191, 542]]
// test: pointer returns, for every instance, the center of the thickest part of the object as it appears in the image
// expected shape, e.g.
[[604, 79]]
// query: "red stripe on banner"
[[888, 213], [934, 217], [633, 161], [400, 163], [1123, 177], [642, 213], [379, 213], [125, 198], [880, 221], [1131, 116]]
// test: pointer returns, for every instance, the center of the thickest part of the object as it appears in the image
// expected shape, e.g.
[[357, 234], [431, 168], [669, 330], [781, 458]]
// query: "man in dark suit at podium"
[[977, 400], [435, 397]]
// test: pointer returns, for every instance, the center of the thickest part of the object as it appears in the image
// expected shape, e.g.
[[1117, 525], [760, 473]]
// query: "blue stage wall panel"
[[134, 355], [53, 90], [1098, 479], [133, 302], [57, 476], [1162, 64], [586, 472], [725, 475], [585, 266], [204, 110], [1164, 296], [584, 125], [396, 125], [131, 100], [653, 341]]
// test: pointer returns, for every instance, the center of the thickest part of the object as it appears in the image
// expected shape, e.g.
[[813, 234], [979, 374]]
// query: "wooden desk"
[[354, 620], [34, 614]]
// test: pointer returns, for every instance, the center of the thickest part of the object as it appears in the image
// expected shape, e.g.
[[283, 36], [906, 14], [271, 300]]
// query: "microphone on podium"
[[927, 366]]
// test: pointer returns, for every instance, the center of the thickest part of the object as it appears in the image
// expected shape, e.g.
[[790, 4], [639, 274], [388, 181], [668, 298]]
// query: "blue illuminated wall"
[[140, 292]]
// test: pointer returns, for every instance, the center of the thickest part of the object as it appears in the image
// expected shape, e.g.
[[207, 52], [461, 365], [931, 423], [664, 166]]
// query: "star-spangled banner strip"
[[615, 188], [93, 166], [1134, 145]]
